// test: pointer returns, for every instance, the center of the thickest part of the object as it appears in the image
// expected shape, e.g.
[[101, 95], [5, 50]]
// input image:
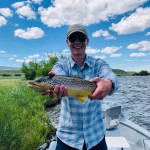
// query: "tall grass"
[[23, 123]]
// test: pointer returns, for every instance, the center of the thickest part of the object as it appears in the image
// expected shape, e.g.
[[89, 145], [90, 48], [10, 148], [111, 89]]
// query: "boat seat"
[[112, 117], [147, 144], [117, 143]]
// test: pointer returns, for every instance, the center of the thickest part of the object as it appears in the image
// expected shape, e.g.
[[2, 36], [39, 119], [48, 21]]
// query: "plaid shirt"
[[81, 122]]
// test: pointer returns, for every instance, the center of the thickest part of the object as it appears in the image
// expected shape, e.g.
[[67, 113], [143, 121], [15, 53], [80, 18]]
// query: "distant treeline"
[[142, 73], [35, 69], [120, 72], [8, 75]]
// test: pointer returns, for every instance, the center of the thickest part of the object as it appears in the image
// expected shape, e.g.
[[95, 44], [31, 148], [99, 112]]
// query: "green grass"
[[24, 124]]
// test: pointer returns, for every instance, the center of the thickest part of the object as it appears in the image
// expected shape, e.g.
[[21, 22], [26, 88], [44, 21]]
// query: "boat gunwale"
[[135, 127]]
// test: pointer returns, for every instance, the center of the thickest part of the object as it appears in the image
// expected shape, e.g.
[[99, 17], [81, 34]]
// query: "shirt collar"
[[87, 61]]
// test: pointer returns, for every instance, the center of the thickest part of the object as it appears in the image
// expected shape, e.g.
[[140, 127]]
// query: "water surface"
[[134, 97]]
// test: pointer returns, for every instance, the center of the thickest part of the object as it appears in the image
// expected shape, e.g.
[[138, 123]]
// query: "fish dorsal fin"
[[78, 77], [82, 99]]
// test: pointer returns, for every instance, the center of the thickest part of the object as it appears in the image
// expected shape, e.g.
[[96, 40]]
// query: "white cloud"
[[20, 60], [138, 54], [6, 12], [100, 56], [18, 4], [148, 33], [11, 58], [16, 25], [23, 60], [65, 52], [85, 12], [103, 33], [37, 1], [136, 22], [90, 50], [53, 54], [29, 33], [34, 56], [142, 46], [116, 55], [26, 11], [130, 60], [14, 55], [3, 21], [110, 50], [2, 52]]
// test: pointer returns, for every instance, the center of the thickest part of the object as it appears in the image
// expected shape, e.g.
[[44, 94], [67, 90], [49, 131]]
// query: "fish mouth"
[[38, 86], [33, 85]]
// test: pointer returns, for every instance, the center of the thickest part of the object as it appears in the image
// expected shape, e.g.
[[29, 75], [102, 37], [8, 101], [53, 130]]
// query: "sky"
[[118, 31]]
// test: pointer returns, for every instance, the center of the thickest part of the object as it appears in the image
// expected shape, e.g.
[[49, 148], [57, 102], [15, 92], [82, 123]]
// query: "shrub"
[[18, 75], [29, 70], [42, 68]]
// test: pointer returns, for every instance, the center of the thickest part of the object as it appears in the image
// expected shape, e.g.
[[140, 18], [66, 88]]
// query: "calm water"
[[134, 97]]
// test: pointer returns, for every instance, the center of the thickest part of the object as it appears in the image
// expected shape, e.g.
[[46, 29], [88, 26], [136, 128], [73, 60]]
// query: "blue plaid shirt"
[[81, 122]]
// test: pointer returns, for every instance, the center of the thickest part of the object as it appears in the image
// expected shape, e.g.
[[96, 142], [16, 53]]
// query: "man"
[[81, 124]]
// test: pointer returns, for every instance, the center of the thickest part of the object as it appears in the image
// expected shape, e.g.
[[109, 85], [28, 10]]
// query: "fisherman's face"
[[77, 43]]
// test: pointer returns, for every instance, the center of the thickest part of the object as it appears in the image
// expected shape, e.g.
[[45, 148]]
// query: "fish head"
[[40, 84]]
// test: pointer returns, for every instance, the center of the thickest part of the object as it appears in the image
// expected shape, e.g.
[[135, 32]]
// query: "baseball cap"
[[76, 28]]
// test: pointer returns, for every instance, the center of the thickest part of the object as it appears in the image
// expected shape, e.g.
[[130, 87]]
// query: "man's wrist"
[[112, 86]]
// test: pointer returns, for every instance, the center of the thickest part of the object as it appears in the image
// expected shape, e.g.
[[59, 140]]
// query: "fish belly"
[[80, 94]]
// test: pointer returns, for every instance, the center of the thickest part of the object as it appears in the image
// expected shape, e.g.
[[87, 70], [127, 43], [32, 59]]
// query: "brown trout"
[[77, 87]]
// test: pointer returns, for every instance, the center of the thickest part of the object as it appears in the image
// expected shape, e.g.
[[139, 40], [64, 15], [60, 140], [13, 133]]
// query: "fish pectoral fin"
[[53, 94], [82, 99]]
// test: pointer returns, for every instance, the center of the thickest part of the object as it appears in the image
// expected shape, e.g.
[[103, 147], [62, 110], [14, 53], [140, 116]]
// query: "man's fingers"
[[65, 92], [51, 74], [96, 94], [56, 89], [61, 91], [45, 92], [96, 79]]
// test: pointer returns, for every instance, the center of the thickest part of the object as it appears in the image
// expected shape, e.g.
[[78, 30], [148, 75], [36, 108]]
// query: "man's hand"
[[59, 90], [103, 88]]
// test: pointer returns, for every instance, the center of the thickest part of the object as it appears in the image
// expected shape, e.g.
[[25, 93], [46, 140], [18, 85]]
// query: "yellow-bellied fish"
[[77, 87]]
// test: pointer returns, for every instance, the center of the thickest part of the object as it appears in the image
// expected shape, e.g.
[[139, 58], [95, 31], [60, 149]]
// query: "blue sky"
[[119, 31]]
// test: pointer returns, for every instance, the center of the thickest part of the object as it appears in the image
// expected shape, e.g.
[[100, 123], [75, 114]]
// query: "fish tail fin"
[[82, 99]]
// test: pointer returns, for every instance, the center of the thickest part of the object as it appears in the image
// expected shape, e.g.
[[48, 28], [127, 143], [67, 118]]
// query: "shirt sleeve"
[[105, 72], [59, 69]]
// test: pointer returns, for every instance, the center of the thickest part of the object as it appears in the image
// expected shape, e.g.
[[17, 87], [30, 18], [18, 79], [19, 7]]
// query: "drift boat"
[[121, 133]]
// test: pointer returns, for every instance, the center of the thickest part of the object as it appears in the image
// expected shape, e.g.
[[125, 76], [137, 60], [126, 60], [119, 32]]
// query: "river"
[[134, 97]]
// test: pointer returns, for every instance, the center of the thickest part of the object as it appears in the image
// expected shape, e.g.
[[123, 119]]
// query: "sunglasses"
[[77, 36]]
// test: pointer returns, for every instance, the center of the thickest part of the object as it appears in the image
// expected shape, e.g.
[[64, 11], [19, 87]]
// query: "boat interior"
[[121, 133]]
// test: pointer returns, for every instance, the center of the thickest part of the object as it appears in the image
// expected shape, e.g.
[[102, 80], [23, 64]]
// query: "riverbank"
[[23, 121]]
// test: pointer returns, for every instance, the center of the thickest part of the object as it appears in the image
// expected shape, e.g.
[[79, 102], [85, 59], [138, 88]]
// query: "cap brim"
[[76, 31]]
